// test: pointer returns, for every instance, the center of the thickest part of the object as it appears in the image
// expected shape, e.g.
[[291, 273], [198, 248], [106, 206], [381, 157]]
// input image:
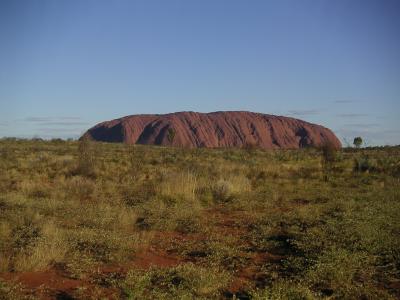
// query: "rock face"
[[216, 129]]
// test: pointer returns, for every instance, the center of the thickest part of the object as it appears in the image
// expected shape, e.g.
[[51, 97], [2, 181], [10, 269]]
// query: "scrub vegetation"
[[83, 220]]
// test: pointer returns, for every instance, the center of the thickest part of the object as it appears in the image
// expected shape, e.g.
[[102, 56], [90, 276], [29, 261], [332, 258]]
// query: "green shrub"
[[284, 290], [341, 274], [185, 281], [363, 164]]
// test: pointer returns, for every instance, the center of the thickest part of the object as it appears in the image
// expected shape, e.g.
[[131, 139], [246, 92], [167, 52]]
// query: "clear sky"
[[66, 65]]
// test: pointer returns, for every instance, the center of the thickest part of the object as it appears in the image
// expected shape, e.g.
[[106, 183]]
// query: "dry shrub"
[[187, 216], [178, 185], [225, 190], [33, 189], [79, 188], [106, 245], [185, 281], [257, 177], [105, 216], [222, 191], [5, 238], [170, 212], [50, 247], [136, 157], [239, 184], [329, 153], [12, 291], [138, 193], [329, 156], [86, 159]]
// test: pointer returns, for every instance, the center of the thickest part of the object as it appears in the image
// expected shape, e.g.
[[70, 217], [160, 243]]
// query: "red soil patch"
[[53, 284], [151, 258], [47, 278], [252, 273]]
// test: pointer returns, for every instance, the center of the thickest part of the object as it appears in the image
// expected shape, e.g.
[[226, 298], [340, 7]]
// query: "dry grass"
[[217, 223], [178, 184], [50, 248]]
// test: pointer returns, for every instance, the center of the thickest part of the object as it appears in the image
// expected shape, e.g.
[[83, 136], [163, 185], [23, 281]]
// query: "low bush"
[[329, 156], [86, 159], [185, 281], [363, 164], [284, 290], [222, 191]]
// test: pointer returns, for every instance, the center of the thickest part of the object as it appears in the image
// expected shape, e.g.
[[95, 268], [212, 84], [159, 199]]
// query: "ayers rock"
[[216, 129]]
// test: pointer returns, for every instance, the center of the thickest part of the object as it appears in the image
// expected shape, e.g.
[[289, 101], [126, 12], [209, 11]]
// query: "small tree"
[[329, 156], [357, 142], [86, 158]]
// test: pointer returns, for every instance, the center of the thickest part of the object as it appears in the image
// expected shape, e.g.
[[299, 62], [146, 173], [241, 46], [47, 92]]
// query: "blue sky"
[[66, 65]]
